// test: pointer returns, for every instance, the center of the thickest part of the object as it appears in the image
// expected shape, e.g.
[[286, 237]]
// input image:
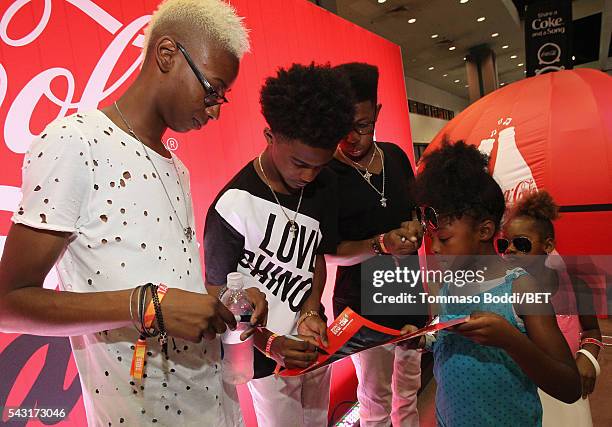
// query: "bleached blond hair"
[[213, 18]]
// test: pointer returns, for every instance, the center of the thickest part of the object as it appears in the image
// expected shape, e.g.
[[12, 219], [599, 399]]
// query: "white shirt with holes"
[[85, 176]]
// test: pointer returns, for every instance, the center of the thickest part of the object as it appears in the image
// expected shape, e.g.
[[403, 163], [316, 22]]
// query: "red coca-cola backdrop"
[[62, 56]]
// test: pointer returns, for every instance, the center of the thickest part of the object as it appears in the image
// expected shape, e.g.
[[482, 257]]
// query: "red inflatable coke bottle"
[[511, 171]]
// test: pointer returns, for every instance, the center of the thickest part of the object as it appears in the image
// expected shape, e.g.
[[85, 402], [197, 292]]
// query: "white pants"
[[389, 379], [293, 401], [560, 414]]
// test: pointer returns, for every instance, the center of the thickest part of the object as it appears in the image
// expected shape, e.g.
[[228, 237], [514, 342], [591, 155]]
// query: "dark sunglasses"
[[522, 244], [428, 217], [212, 97]]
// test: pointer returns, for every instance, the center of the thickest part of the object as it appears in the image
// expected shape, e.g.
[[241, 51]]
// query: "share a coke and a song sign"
[[58, 57], [548, 36]]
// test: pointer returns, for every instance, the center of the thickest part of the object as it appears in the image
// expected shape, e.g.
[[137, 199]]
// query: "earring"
[[269, 135]]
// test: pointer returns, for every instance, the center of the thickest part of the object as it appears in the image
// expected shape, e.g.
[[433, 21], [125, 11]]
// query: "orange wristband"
[[150, 313], [140, 349]]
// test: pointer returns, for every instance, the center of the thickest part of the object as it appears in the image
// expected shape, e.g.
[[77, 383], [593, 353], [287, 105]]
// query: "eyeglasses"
[[521, 243], [428, 217], [212, 97], [364, 128]]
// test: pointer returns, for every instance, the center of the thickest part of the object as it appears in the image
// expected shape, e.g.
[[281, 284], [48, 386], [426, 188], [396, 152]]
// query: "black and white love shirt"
[[247, 231]]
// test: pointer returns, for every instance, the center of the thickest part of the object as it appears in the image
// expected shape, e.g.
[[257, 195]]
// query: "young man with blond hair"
[[105, 200]]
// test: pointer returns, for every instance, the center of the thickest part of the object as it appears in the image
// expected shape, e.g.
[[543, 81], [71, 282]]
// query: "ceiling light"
[[573, 58], [494, 34], [513, 57], [505, 46], [412, 20], [525, 72], [430, 68], [482, 18], [465, 58], [434, 36], [457, 81], [520, 64], [444, 75], [452, 48], [467, 85], [463, 1], [381, 1]]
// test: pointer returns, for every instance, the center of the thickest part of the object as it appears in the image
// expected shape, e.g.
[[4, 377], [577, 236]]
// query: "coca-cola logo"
[[506, 163], [549, 53], [547, 23], [52, 388], [516, 193], [17, 135], [550, 22], [53, 90]]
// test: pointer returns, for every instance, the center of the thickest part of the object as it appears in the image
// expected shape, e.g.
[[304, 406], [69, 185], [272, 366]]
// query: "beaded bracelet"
[[376, 246], [381, 242], [158, 293], [593, 341]]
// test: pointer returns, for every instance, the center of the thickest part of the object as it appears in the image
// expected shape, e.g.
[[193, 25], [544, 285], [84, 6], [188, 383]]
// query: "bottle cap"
[[235, 280]]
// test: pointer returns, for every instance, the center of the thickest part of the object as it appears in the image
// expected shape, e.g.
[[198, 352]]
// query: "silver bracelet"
[[131, 312], [137, 322]]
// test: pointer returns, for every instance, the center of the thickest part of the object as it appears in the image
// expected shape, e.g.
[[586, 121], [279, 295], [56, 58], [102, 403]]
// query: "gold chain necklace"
[[293, 228]]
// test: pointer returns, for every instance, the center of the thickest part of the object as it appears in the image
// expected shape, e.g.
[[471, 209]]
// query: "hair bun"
[[455, 177], [538, 205]]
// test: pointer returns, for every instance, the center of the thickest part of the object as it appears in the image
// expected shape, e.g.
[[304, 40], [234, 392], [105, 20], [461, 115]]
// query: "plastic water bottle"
[[237, 355]]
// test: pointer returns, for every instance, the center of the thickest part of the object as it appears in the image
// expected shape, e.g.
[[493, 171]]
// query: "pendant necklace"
[[187, 231], [367, 175], [293, 227]]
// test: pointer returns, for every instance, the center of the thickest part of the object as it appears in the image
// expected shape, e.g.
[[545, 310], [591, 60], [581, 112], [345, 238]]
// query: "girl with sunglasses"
[[487, 369], [529, 237]]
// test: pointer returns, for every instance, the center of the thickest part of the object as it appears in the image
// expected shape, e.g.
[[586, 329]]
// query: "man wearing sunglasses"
[[375, 218], [104, 199]]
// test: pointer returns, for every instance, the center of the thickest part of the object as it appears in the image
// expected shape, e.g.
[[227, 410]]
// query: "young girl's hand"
[[414, 343], [587, 374], [488, 329]]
